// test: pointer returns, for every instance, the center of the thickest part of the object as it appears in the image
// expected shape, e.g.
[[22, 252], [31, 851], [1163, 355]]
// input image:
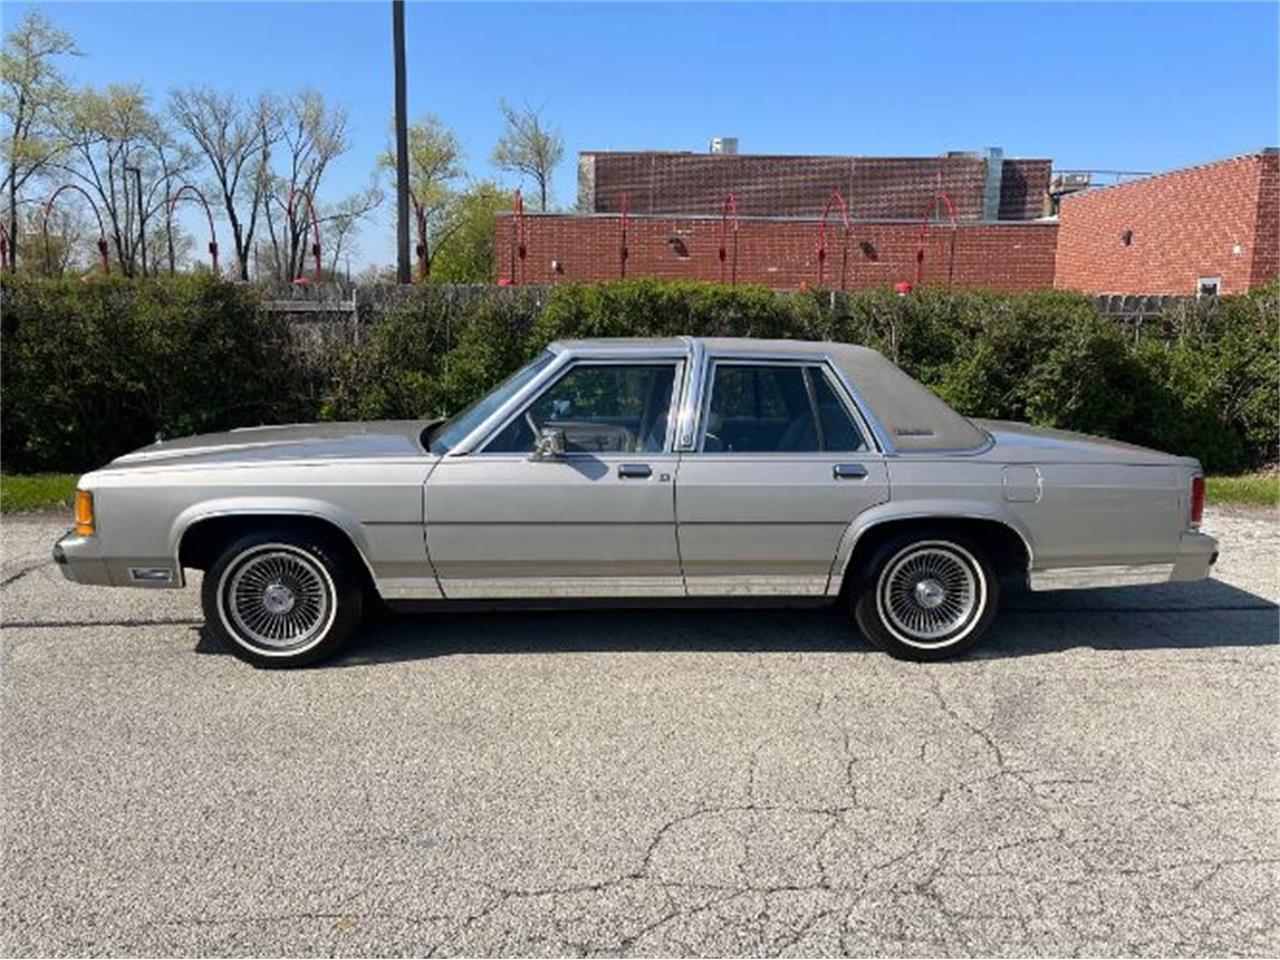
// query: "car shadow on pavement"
[[1206, 614]]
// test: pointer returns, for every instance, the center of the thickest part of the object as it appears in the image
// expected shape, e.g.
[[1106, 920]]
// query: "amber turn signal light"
[[84, 513]]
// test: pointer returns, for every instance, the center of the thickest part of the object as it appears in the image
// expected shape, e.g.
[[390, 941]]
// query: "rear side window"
[[776, 408]]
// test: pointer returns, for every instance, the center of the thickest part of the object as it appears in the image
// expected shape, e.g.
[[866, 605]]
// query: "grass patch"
[[1261, 489], [22, 493]]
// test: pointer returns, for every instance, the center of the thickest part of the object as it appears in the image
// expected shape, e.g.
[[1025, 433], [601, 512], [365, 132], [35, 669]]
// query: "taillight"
[[84, 513], [1197, 500]]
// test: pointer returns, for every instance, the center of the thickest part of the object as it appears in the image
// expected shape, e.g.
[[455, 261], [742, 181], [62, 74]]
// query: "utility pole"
[[402, 148]]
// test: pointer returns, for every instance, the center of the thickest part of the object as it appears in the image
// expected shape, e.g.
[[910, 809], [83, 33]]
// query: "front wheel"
[[282, 599], [926, 597]]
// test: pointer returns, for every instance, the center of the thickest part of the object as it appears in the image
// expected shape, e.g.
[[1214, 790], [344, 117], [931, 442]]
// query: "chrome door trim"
[[755, 585], [408, 588], [515, 588], [563, 369]]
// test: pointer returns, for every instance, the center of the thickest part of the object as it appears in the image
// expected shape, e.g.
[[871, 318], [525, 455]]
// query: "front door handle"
[[634, 471], [848, 471]]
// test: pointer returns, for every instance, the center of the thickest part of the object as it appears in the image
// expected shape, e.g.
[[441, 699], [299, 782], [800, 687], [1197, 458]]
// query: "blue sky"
[[1099, 85]]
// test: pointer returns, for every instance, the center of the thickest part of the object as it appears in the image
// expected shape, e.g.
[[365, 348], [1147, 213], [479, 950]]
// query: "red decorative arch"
[[837, 200], [729, 209], [208, 212], [103, 246], [623, 252], [924, 227], [420, 218]]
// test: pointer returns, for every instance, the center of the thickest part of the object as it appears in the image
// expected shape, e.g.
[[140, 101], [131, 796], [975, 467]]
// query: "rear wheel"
[[925, 597], [282, 599]]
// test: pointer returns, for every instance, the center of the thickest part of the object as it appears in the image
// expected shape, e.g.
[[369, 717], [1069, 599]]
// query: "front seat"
[[800, 435]]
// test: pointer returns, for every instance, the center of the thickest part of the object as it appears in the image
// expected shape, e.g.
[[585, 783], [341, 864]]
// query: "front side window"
[[777, 408], [602, 409]]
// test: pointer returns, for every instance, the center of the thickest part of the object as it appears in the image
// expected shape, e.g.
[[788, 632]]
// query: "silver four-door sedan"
[[644, 471]]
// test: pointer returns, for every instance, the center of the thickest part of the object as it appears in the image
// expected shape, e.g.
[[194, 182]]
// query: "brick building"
[[1210, 228], [994, 233]]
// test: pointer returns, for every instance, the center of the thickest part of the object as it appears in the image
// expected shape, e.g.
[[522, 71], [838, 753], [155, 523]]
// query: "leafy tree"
[[33, 93], [529, 147], [110, 133], [435, 169], [465, 253]]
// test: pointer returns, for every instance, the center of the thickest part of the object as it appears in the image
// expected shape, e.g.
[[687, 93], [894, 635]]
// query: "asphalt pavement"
[[1099, 778]]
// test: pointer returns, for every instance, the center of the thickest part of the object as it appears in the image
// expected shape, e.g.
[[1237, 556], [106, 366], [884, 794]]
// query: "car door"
[[598, 520], [783, 463]]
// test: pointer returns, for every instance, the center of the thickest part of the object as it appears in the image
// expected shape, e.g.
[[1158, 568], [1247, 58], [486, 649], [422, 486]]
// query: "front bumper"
[[80, 560], [1197, 553]]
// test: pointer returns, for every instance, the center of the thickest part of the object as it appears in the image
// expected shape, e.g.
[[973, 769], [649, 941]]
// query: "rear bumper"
[[1197, 553]]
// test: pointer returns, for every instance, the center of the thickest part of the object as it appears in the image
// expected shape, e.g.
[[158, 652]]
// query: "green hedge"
[[92, 370]]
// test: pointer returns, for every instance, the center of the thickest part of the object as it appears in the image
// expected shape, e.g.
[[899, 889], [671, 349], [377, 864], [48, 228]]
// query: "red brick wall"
[[799, 186], [1266, 242], [778, 253], [1186, 224]]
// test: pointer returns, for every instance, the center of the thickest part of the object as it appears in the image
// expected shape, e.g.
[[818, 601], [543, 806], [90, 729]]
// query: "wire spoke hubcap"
[[928, 593], [279, 598]]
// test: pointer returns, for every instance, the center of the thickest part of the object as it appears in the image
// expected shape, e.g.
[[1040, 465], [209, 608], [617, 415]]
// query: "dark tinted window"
[[839, 432], [776, 409], [602, 408]]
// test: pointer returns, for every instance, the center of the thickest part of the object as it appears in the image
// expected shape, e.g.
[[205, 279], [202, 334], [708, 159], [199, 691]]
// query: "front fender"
[[940, 509]]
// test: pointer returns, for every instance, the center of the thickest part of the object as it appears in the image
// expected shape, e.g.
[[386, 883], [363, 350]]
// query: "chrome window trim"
[[876, 446], [692, 399], [605, 358], [514, 403]]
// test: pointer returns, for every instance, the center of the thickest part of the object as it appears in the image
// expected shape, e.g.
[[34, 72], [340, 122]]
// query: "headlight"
[[84, 513]]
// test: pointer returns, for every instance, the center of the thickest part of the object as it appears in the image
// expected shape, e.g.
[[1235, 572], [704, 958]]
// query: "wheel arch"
[[199, 530], [1011, 546]]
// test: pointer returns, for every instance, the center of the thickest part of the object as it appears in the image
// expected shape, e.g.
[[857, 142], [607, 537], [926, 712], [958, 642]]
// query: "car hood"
[[1021, 442], [378, 439]]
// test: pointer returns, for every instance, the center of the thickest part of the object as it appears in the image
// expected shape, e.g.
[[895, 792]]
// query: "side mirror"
[[550, 444]]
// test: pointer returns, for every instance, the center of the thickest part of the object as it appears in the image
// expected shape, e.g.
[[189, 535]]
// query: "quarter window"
[[777, 408], [602, 408]]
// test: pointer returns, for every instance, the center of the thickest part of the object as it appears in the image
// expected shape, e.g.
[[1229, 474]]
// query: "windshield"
[[462, 423]]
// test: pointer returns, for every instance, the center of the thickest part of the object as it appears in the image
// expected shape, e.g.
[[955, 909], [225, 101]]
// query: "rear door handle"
[[848, 471], [634, 471]]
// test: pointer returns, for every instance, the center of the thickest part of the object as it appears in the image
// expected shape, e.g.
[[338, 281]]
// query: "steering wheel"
[[533, 424]]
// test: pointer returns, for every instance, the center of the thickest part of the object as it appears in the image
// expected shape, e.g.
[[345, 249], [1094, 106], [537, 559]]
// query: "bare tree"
[[66, 238], [342, 221], [529, 147], [33, 91], [312, 134], [235, 138]]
